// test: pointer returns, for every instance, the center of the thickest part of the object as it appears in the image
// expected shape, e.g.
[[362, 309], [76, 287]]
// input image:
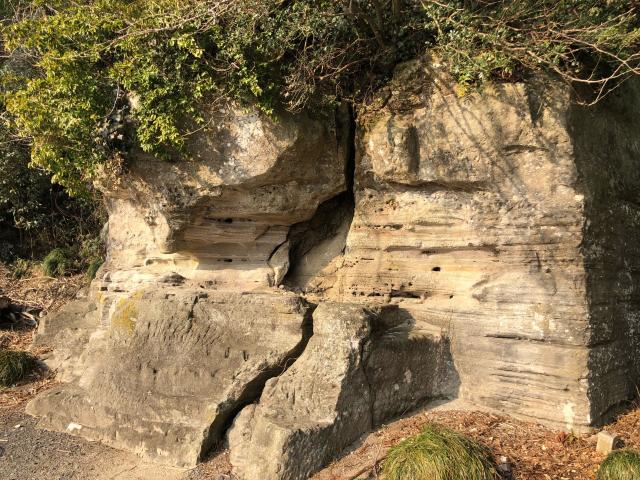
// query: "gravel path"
[[28, 453]]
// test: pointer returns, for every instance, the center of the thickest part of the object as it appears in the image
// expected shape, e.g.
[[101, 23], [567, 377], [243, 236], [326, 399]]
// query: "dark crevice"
[[429, 186], [404, 294], [253, 390], [325, 224], [349, 129], [331, 219]]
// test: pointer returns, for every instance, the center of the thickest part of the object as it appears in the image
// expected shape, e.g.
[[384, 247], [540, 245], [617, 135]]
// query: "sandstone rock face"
[[469, 217], [221, 216], [355, 372], [183, 326], [480, 247], [173, 369], [488, 217]]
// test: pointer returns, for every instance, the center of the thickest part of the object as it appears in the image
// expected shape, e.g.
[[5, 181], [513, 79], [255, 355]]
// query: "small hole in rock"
[[228, 220], [435, 269]]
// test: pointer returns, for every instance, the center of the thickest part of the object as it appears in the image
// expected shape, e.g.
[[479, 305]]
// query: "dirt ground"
[[535, 452]]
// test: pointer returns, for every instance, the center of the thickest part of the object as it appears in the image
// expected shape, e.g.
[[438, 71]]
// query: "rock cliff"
[[300, 281]]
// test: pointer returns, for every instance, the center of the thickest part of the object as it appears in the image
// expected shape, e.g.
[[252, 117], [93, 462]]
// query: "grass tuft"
[[15, 365], [56, 263], [93, 268], [439, 454], [620, 465], [20, 268]]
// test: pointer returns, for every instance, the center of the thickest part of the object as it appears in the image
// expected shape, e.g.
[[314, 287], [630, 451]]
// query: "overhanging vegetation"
[[85, 82]]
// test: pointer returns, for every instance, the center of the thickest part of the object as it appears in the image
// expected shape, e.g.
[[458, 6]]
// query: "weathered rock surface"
[[319, 406], [355, 372], [607, 151], [173, 368], [221, 216], [493, 218], [484, 248], [457, 217]]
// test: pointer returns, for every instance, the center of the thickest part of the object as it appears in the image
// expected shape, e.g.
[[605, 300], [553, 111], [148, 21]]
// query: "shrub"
[[93, 268], [15, 365], [620, 465], [57, 263], [438, 454], [36, 215]]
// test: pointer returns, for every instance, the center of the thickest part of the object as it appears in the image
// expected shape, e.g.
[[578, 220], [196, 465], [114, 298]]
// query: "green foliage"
[[93, 268], [57, 263], [90, 249], [620, 465], [88, 82], [583, 41], [438, 454], [20, 268], [86, 254], [90, 255], [20, 188], [34, 214], [15, 365]]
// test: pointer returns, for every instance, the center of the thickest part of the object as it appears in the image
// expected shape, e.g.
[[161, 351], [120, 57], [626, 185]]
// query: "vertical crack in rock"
[[316, 245], [252, 392], [309, 414], [350, 378]]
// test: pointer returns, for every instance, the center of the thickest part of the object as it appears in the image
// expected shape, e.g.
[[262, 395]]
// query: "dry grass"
[[39, 292]]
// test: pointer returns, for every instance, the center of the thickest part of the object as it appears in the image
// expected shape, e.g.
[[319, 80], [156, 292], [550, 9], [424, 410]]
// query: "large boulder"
[[356, 371], [483, 248], [172, 369], [222, 214], [184, 324]]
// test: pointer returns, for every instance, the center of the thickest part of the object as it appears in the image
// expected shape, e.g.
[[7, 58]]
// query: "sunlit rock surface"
[[300, 281]]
